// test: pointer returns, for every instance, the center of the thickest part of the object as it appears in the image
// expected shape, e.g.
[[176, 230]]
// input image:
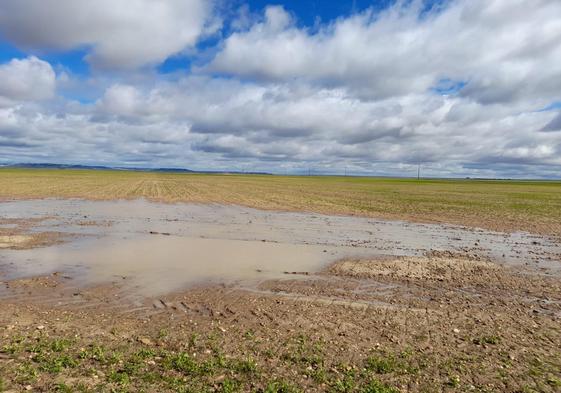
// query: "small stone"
[[456, 330], [40, 327], [145, 341]]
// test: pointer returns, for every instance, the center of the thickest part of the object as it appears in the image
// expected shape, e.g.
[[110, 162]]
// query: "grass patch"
[[491, 340], [281, 386], [375, 386], [381, 365]]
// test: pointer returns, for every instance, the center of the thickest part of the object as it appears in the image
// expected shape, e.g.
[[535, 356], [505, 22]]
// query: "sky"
[[461, 87]]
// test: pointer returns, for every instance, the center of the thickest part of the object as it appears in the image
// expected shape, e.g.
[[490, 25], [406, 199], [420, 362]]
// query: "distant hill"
[[56, 166], [110, 168]]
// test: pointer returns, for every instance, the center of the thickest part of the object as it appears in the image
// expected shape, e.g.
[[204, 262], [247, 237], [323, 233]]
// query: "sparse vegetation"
[[492, 340], [70, 364], [124, 368]]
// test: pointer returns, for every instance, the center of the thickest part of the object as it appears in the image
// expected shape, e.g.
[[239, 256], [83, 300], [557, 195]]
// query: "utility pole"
[[419, 170]]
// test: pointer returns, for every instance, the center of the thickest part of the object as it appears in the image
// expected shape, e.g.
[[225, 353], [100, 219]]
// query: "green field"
[[533, 206]]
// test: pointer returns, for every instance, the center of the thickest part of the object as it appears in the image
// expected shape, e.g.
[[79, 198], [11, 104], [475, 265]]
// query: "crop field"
[[533, 206]]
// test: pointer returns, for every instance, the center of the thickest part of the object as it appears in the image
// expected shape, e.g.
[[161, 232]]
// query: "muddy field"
[[138, 296]]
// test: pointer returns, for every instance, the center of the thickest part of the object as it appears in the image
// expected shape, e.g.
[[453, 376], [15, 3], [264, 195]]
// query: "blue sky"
[[468, 88], [308, 12]]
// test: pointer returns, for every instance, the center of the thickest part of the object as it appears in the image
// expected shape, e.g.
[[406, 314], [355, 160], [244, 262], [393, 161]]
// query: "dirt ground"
[[16, 234], [439, 323]]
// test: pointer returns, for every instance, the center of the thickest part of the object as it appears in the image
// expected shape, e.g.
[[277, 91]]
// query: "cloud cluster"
[[502, 50], [467, 89], [121, 34], [26, 79]]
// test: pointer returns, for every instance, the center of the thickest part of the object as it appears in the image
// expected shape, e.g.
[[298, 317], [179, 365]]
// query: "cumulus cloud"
[[121, 100], [295, 122], [502, 50], [121, 34], [27, 79]]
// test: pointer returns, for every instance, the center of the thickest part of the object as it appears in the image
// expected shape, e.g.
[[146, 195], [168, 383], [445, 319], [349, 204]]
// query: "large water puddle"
[[157, 248]]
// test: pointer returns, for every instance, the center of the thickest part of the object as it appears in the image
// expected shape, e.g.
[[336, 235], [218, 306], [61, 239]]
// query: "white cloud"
[[224, 124], [27, 79], [121, 100], [121, 33], [298, 123], [504, 50]]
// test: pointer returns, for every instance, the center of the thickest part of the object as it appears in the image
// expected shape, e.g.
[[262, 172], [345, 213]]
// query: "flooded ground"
[[141, 296], [157, 248]]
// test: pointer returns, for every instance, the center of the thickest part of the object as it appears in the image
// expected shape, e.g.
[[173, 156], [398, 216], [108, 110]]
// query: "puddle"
[[157, 264], [193, 244]]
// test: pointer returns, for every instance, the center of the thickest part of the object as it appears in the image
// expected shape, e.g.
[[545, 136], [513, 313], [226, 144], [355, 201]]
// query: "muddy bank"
[[18, 234], [440, 324]]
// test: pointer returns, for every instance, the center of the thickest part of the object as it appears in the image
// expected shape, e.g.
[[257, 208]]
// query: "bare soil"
[[442, 322]]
